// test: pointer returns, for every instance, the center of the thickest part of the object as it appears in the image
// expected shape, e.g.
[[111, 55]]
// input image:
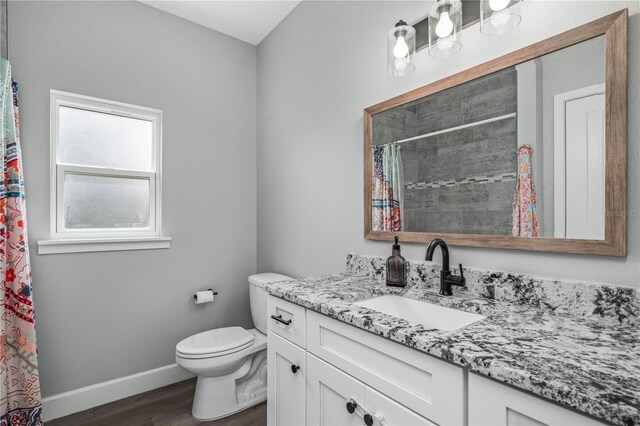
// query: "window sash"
[[58, 170], [61, 231]]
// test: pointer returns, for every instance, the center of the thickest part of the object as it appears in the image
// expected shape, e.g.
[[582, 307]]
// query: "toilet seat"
[[215, 343]]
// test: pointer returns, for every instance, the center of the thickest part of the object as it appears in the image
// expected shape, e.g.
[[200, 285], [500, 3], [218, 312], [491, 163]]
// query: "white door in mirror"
[[579, 173], [585, 179]]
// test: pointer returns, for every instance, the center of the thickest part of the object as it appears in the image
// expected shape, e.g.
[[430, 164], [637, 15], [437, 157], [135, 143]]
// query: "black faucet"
[[447, 279]]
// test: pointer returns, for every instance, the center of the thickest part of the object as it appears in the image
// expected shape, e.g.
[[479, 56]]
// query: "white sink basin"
[[417, 312]]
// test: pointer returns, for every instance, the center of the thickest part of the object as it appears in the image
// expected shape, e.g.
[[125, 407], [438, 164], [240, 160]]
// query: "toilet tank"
[[258, 297]]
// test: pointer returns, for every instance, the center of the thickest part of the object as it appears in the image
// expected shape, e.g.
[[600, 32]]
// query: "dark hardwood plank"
[[166, 406]]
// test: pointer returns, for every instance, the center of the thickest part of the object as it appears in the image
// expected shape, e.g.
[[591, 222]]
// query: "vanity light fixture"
[[445, 25], [401, 44], [499, 16], [441, 30]]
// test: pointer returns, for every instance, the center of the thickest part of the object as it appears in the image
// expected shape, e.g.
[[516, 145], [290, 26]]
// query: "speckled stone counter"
[[588, 361]]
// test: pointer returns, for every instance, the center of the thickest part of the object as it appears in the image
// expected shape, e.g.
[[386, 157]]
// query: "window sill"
[[102, 244]]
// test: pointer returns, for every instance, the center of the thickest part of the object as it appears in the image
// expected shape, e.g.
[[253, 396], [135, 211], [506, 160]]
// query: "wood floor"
[[167, 406]]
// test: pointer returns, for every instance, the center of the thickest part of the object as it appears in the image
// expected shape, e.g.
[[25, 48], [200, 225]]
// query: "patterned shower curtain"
[[387, 188], [20, 402], [525, 217]]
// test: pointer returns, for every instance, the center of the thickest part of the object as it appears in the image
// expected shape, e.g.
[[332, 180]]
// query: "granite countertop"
[[591, 366]]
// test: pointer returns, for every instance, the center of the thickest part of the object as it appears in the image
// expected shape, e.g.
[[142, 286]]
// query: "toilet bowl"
[[230, 362]]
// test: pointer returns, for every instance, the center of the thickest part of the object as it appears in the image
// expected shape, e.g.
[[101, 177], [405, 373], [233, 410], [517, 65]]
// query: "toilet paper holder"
[[215, 293]]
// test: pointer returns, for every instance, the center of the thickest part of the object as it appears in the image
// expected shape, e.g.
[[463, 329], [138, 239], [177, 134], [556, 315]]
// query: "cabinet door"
[[491, 403], [328, 391], [286, 372], [390, 412]]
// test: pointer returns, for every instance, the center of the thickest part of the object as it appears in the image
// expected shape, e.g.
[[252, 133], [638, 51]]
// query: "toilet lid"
[[215, 341]]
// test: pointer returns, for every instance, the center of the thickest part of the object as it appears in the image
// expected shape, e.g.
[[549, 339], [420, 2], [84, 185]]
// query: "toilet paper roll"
[[205, 296]]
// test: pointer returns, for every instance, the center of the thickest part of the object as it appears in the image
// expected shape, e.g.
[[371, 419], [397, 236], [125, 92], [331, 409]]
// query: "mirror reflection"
[[519, 152]]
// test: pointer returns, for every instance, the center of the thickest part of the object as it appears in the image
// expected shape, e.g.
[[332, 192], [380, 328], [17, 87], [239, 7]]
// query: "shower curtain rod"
[[452, 129]]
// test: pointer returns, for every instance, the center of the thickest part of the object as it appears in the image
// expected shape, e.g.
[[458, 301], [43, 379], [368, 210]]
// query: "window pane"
[[105, 202], [92, 138]]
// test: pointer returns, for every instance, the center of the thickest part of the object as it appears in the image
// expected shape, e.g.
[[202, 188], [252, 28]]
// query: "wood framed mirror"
[[527, 151]]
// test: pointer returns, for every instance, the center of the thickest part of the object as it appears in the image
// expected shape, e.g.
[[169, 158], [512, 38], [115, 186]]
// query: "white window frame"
[[77, 240]]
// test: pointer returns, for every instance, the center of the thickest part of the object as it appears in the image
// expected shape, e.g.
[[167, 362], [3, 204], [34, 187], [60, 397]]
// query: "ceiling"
[[248, 21]]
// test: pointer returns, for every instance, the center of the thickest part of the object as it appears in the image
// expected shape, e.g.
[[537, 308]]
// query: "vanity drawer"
[[495, 404], [430, 387], [287, 320]]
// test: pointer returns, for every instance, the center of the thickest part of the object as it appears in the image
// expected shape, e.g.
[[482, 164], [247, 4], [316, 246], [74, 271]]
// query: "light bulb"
[[445, 26], [497, 5], [401, 49]]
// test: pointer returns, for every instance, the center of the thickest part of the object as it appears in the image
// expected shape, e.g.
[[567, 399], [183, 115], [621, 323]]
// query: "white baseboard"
[[66, 403]]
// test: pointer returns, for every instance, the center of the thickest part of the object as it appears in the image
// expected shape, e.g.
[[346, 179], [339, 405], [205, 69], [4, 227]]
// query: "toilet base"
[[238, 410], [222, 396]]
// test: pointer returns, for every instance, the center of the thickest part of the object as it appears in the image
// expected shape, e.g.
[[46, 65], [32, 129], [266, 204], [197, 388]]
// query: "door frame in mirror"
[[614, 28]]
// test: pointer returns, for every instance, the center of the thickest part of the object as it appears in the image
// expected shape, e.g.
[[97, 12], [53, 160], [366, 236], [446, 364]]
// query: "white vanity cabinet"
[[286, 363], [336, 398], [286, 382], [495, 404], [316, 365], [391, 383]]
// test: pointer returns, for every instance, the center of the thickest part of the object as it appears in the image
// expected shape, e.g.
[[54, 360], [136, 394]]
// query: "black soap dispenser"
[[396, 268]]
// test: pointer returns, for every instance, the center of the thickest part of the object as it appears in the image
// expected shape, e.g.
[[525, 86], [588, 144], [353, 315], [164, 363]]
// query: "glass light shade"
[[499, 16], [445, 26], [401, 45]]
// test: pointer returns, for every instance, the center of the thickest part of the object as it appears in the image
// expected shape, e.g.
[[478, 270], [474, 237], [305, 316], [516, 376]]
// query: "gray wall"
[[530, 129], [105, 315], [310, 201]]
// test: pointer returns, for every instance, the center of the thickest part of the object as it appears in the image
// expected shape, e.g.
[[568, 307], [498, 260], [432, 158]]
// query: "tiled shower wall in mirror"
[[460, 179], [458, 148]]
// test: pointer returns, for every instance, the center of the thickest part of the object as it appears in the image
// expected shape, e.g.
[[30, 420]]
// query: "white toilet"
[[231, 362]]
